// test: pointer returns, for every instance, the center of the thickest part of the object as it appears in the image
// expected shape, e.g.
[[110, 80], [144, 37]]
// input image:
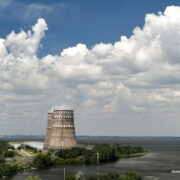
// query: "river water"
[[163, 157]]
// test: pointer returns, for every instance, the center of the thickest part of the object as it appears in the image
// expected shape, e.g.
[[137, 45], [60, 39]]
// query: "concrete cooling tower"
[[60, 132]]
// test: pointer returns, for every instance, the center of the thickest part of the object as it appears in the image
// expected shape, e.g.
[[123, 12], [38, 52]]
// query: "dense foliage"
[[27, 147], [9, 154], [7, 170], [70, 177], [111, 176], [42, 161], [33, 178], [4, 146], [131, 176], [2, 160], [6, 150], [80, 155]]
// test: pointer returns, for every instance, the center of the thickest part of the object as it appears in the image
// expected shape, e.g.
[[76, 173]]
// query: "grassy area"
[[21, 162], [23, 157]]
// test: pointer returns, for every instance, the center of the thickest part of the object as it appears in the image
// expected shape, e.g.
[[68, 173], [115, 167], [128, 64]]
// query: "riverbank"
[[163, 156], [26, 157]]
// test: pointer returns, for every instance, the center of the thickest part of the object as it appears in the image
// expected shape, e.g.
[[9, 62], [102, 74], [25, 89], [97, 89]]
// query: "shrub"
[[7, 170], [131, 176], [9, 154], [2, 160], [33, 178], [42, 161], [70, 177]]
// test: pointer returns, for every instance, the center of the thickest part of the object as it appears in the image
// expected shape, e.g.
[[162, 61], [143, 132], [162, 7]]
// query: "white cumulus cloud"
[[139, 74]]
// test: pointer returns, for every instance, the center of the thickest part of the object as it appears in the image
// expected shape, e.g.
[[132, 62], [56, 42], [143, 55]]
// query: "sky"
[[116, 63]]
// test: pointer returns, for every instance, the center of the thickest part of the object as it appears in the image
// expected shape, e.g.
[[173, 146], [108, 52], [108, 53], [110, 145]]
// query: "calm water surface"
[[163, 157]]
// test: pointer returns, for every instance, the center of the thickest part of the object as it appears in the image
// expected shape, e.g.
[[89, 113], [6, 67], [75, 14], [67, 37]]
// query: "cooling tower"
[[60, 132]]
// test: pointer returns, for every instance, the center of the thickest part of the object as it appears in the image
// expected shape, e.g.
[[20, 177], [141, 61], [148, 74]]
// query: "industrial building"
[[60, 132]]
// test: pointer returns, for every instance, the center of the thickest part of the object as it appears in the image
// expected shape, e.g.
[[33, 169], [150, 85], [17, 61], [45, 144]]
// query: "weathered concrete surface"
[[60, 132]]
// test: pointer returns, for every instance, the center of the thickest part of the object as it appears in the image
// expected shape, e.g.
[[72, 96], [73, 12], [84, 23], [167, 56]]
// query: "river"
[[163, 157]]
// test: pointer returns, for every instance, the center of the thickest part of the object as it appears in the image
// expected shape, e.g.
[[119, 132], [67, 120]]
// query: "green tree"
[[70, 177], [131, 176], [33, 178], [6, 170], [2, 160], [9, 154], [81, 155], [42, 161], [115, 176]]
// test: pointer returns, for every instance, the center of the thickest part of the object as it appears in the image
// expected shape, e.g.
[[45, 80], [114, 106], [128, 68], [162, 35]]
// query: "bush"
[[2, 160], [131, 176], [115, 176], [42, 161], [70, 177], [71, 153], [33, 178], [109, 176], [27, 147], [7, 170], [9, 154], [4, 146]]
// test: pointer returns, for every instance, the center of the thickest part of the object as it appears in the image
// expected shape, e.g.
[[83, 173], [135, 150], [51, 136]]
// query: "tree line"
[[109, 176], [81, 155], [7, 151]]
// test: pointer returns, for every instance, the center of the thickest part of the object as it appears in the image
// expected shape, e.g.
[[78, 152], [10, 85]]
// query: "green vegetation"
[[27, 147], [4, 146], [115, 176], [70, 177], [9, 154], [7, 170], [2, 160], [80, 155], [131, 176], [6, 150], [33, 178], [42, 161], [14, 161], [111, 176]]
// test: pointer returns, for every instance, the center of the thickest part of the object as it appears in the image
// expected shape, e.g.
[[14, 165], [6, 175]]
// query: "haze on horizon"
[[117, 66]]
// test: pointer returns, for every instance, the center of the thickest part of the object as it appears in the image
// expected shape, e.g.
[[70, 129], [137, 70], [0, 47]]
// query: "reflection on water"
[[163, 157]]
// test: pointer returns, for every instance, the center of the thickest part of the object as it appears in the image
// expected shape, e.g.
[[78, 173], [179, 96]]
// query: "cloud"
[[4, 4], [26, 44], [36, 10], [139, 74], [29, 12], [90, 103]]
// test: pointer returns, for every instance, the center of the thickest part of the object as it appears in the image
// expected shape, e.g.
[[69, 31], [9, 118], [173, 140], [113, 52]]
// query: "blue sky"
[[79, 21], [116, 63]]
